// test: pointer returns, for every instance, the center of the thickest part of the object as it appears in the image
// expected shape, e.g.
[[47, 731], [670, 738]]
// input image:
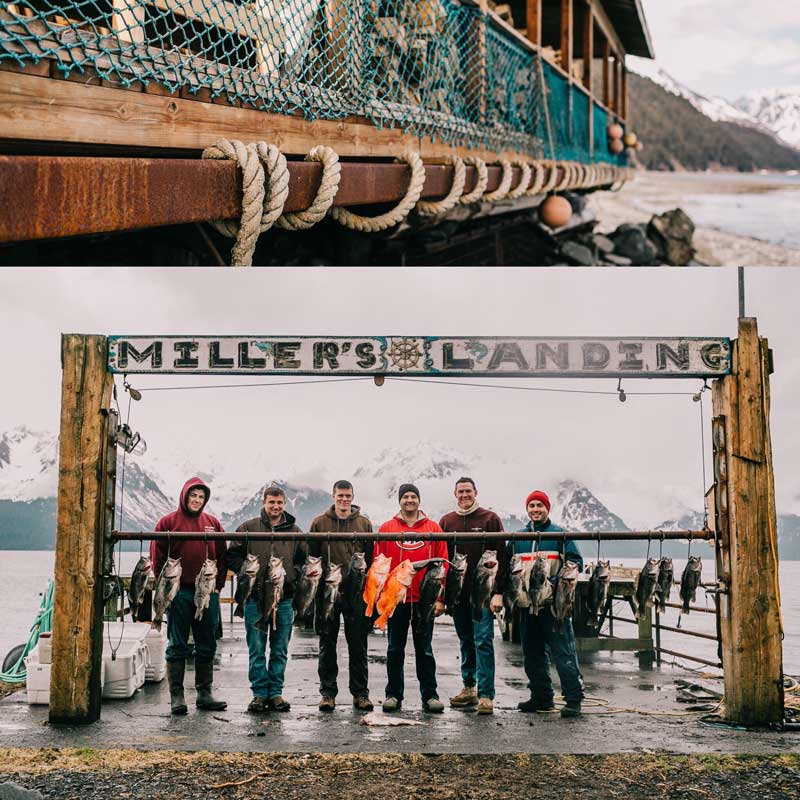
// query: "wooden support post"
[[617, 85], [646, 657], [588, 68], [606, 74], [81, 515], [533, 21], [750, 624], [624, 86], [566, 36]]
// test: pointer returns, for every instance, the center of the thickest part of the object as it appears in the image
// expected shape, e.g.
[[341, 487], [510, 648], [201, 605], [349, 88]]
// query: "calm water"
[[761, 206], [24, 575]]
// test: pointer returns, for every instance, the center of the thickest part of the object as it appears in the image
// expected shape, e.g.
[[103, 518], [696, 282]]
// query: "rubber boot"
[[175, 673], [203, 678]]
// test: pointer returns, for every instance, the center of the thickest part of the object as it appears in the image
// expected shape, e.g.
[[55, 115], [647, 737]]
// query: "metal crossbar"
[[508, 536]]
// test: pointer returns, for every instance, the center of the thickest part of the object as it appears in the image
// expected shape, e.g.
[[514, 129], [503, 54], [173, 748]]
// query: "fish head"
[[488, 558], [334, 574], [651, 567], [602, 571], [313, 567], [515, 565], [358, 562], [569, 572], [460, 562], [695, 564], [173, 567], [381, 563]]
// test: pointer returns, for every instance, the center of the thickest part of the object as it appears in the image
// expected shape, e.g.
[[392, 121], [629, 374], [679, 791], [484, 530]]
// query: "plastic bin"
[[156, 666], [38, 680]]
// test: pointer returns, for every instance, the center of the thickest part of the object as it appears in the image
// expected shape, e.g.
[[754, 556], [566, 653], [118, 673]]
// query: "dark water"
[[24, 575]]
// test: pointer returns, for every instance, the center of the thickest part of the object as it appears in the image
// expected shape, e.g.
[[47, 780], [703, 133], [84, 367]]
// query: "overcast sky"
[[638, 457], [727, 47]]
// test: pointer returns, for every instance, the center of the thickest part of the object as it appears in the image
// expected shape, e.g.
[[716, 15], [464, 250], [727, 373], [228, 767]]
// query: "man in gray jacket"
[[343, 517], [266, 680]]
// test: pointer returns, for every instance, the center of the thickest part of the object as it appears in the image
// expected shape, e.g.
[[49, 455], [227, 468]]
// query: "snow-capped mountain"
[[775, 109], [28, 464], [715, 108], [580, 510]]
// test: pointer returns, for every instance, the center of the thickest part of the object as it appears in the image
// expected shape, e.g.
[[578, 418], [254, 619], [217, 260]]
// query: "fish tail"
[[380, 622], [156, 624], [238, 611]]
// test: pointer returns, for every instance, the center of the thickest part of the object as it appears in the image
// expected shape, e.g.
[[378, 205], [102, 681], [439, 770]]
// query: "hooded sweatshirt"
[[291, 553], [481, 519], [411, 549], [341, 552], [192, 552]]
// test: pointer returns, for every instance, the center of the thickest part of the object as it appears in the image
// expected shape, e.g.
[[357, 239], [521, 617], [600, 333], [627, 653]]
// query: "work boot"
[[532, 705], [277, 703], [485, 706], [571, 709], [391, 704], [175, 673], [468, 696], [363, 703], [433, 705], [258, 705], [203, 678], [327, 703]]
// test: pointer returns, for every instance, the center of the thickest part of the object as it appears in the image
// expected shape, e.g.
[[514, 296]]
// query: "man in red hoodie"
[[180, 619], [411, 520]]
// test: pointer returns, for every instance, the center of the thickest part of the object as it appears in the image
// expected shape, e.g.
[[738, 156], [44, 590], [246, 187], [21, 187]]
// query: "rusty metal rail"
[[47, 197], [670, 628], [425, 536]]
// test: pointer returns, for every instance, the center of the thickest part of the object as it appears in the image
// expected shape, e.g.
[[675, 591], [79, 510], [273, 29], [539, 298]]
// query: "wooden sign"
[[462, 356]]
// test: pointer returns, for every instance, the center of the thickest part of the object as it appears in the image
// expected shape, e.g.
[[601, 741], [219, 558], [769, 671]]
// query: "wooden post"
[[624, 82], [617, 84], [607, 74], [646, 657], [588, 68], [533, 21], [750, 625], [566, 37], [81, 515]]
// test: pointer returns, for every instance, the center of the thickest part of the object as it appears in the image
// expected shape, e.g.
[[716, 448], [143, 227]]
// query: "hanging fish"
[[690, 580], [483, 582], [540, 590], [565, 591], [330, 592], [205, 584], [307, 585], [167, 585], [665, 577], [271, 592], [353, 584], [454, 584], [394, 592], [136, 589], [516, 593], [245, 581], [376, 579], [646, 587], [597, 596], [430, 589]]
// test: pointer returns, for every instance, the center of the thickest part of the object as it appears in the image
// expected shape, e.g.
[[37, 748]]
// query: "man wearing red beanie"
[[540, 635]]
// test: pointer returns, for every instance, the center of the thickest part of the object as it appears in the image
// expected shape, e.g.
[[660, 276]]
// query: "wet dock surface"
[[613, 680]]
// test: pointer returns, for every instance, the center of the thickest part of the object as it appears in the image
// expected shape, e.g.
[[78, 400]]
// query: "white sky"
[[637, 457], [727, 47]]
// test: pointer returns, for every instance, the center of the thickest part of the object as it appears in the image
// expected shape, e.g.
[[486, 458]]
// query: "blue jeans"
[[477, 648], [542, 636], [267, 681], [422, 633], [180, 620]]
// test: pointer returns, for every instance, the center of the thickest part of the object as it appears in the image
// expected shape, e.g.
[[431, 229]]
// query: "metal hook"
[[622, 396]]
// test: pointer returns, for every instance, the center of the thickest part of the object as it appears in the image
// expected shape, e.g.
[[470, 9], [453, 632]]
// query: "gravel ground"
[[132, 774]]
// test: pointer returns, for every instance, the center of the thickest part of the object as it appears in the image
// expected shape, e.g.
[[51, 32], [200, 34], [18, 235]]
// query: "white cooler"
[[124, 673], [38, 680], [156, 641]]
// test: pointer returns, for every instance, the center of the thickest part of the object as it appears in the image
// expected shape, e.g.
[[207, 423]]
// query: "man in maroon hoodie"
[[180, 619]]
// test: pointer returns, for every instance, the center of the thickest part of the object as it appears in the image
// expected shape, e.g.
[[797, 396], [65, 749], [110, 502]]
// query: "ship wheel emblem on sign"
[[405, 353]]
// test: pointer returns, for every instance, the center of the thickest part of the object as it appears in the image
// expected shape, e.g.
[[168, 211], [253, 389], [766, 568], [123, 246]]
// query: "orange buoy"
[[616, 146], [555, 211], [639, 145], [630, 139], [615, 131]]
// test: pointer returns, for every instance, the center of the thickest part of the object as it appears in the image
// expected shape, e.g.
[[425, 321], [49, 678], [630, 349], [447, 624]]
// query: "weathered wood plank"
[[566, 36], [78, 610], [533, 21], [750, 617]]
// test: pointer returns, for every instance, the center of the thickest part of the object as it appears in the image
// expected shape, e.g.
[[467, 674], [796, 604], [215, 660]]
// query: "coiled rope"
[[329, 186], [432, 208], [480, 185], [501, 192], [524, 181], [398, 213]]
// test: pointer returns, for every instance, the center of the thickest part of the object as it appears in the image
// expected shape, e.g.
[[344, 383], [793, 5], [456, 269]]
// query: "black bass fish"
[[167, 585], [646, 587], [665, 576], [540, 590], [483, 582], [564, 597], [245, 581], [330, 592], [305, 593], [141, 574], [353, 584], [597, 596], [690, 580], [455, 581], [205, 584], [516, 593], [270, 594], [430, 589]]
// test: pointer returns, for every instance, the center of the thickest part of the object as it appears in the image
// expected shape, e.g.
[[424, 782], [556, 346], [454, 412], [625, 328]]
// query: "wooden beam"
[[750, 625], [604, 23], [533, 21], [617, 104], [81, 515], [588, 47], [566, 36], [624, 86], [607, 74]]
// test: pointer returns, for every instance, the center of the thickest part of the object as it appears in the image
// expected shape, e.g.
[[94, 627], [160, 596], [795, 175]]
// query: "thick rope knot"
[[501, 192], [398, 213], [524, 181], [480, 186], [329, 186], [262, 201], [566, 181], [246, 230], [430, 208]]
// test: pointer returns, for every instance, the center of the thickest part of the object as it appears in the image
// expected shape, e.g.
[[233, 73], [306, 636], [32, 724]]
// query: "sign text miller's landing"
[[465, 356]]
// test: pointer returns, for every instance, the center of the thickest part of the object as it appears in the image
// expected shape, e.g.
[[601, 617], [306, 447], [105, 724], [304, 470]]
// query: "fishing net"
[[432, 68]]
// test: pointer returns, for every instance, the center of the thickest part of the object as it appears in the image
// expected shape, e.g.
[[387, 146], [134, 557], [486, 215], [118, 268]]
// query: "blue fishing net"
[[433, 68]]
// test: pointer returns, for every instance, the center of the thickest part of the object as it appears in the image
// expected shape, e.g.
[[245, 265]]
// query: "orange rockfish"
[[394, 592], [376, 578]]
